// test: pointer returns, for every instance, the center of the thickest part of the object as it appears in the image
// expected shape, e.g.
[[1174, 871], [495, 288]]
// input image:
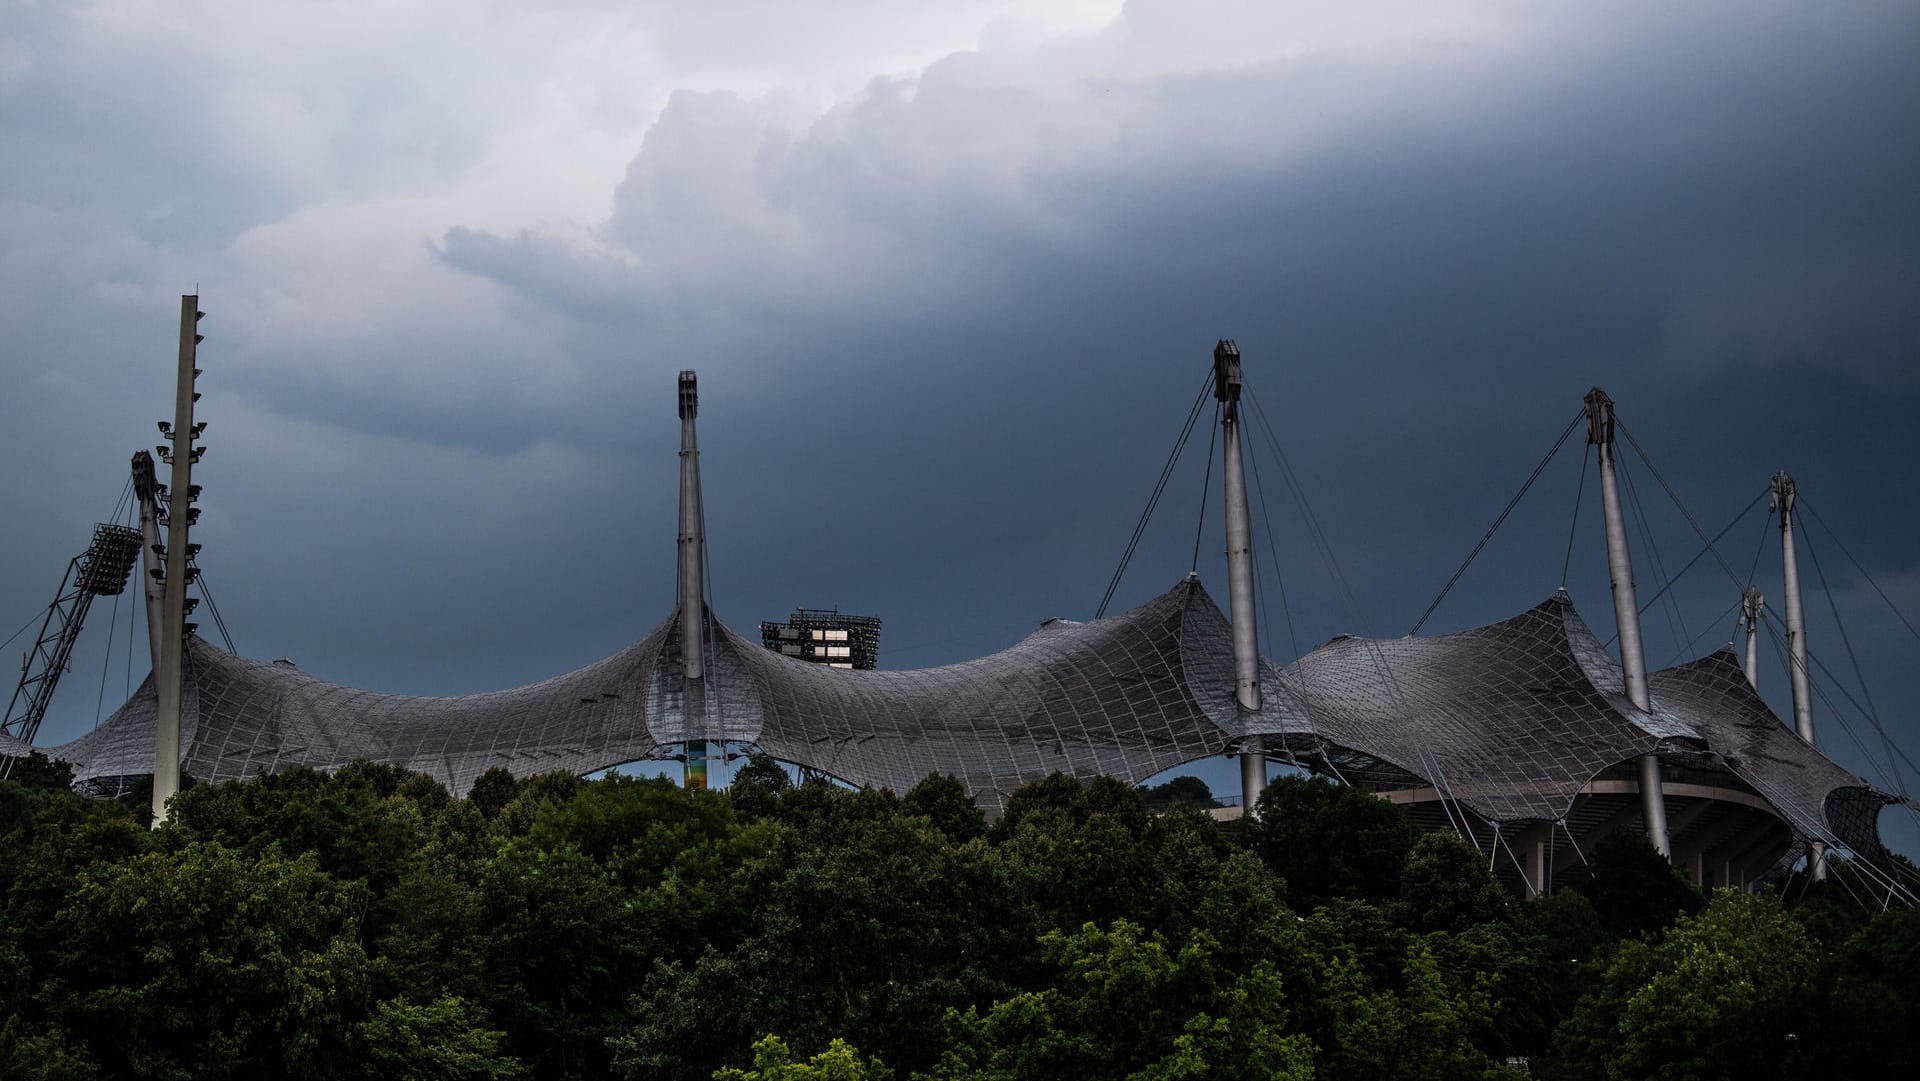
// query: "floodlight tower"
[[1227, 381], [179, 519], [1783, 496], [1626, 612]]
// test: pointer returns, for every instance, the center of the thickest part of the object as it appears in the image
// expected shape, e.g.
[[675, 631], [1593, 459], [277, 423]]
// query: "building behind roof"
[[824, 636]]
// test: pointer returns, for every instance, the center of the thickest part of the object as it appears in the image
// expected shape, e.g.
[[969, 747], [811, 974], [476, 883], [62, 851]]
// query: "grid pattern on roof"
[[1511, 719], [1817, 798]]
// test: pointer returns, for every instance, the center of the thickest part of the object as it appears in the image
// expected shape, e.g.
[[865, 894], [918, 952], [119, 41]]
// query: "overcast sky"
[[951, 274]]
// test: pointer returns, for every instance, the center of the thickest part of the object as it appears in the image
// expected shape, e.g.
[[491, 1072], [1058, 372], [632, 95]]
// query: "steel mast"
[[1752, 603], [1783, 495], [1227, 381], [1626, 613], [693, 606]]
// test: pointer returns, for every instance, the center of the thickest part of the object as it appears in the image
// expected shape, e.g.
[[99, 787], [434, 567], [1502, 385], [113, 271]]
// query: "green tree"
[[1125, 1004], [839, 1062], [1445, 886], [1870, 1023], [871, 936], [1634, 889], [944, 801], [1725, 993], [1328, 840], [492, 791], [1186, 791], [202, 962], [755, 790], [442, 1040]]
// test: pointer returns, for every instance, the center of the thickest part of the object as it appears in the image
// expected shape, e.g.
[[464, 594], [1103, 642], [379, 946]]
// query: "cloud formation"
[[950, 274]]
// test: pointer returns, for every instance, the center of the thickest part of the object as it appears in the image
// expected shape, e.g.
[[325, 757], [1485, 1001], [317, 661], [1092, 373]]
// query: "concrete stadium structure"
[[1526, 735]]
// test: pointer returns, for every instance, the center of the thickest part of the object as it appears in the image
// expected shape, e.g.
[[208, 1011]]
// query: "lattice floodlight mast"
[[180, 516], [1626, 612], [100, 571], [825, 636]]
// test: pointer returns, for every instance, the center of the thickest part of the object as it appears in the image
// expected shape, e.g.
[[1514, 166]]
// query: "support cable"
[[1697, 556], [1573, 528], [1501, 520], [1685, 651], [1676, 625], [212, 608], [1273, 556], [31, 620], [133, 620], [1574, 842], [1766, 524], [1801, 503], [1206, 483], [1193, 415], [1777, 635], [106, 663], [1684, 512], [1462, 825], [1866, 693]]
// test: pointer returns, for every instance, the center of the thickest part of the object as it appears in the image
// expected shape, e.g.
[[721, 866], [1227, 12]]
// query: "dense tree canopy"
[[367, 924]]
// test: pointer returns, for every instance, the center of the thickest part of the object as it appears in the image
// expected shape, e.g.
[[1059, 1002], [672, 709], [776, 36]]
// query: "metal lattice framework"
[[1513, 723], [1510, 720]]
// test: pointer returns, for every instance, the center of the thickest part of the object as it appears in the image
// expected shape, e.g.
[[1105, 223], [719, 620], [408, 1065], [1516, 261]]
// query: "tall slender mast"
[[180, 516], [1752, 603], [692, 597], [693, 606], [1227, 379], [1783, 495], [1626, 612]]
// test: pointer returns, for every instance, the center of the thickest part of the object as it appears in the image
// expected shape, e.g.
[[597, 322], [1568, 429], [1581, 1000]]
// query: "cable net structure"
[[1524, 724], [1513, 720]]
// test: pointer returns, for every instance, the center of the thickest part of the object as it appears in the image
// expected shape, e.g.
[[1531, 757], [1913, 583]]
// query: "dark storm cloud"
[[947, 328], [963, 313]]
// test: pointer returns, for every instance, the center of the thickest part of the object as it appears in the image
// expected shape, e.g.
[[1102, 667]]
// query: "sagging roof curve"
[[1511, 719]]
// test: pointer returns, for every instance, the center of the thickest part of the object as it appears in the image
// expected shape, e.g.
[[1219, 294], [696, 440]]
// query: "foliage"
[[1330, 841], [1186, 791], [839, 1062], [1634, 890], [1126, 1004], [442, 1040], [369, 923]]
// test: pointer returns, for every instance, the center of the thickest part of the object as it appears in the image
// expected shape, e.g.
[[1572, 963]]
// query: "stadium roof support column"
[[692, 588], [1751, 605], [1783, 493], [168, 676], [1626, 612], [1227, 379], [692, 598]]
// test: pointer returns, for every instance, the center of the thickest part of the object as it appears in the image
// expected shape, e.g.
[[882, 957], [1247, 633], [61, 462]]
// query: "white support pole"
[[1626, 612], [692, 592], [1227, 380], [1783, 496], [692, 586], [168, 677], [1751, 606]]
